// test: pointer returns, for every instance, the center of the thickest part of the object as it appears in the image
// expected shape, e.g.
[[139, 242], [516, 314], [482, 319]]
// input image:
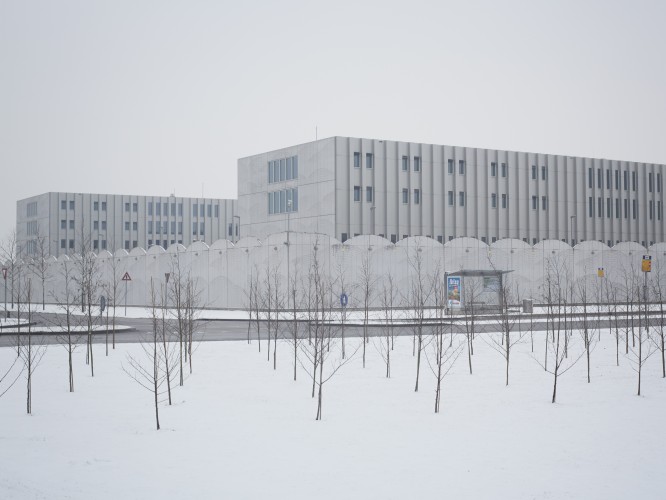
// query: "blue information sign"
[[344, 300]]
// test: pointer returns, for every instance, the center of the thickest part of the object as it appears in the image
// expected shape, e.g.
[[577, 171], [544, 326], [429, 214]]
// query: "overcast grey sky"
[[155, 97]]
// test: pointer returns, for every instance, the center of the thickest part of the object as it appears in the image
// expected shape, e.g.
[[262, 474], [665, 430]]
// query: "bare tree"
[[366, 285], [505, 343], [152, 372], [419, 294], [470, 298], [67, 322], [556, 301], [10, 255], [325, 362], [587, 333], [659, 339], [38, 264], [385, 343], [33, 349], [88, 278], [442, 355], [643, 347]]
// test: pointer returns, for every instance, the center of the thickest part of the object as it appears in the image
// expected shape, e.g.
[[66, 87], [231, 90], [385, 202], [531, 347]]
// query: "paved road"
[[208, 330]]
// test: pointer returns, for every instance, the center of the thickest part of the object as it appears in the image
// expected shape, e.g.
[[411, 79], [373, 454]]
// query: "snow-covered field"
[[239, 429]]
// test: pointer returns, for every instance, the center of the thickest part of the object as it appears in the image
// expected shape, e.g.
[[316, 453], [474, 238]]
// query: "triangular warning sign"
[[126, 277]]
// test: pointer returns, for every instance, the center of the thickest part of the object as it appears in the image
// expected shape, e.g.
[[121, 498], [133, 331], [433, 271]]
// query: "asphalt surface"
[[234, 330]]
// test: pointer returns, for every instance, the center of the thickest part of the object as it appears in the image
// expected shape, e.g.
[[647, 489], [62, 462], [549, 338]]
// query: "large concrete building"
[[67, 222], [343, 187]]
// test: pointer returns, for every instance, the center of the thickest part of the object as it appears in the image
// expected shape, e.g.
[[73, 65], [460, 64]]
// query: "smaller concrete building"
[[67, 223]]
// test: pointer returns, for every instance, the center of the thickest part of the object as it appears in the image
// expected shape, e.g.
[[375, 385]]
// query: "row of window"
[[31, 209], [63, 204], [283, 201], [625, 208], [625, 178], [165, 208], [284, 169], [32, 228]]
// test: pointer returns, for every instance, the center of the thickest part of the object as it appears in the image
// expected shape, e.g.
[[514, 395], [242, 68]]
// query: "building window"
[[150, 227], [493, 169], [405, 163], [71, 244], [617, 208], [368, 194], [135, 226], [405, 195], [357, 160], [450, 166], [650, 182], [461, 198], [650, 209], [63, 243], [634, 176], [127, 207], [544, 203], [626, 180], [103, 244], [534, 202], [504, 201], [95, 245], [63, 224], [608, 179], [503, 169], [357, 193], [450, 198], [96, 225], [534, 172], [658, 210], [209, 210], [600, 212], [202, 210], [343, 237], [417, 196], [103, 208], [63, 205], [461, 167], [544, 173], [634, 208], [158, 208], [658, 183], [126, 226], [150, 208], [608, 208], [283, 169], [202, 226], [368, 160], [417, 164], [180, 227], [288, 169], [590, 207], [493, 200], [103, 225], [158, 227], [173, 227], [617, 179], [96, 206], [194, 228], [135, 207], [135, 244], [173, 209], [127, 245], [626, 208], [71, 224], [71, 205], [590, 178]]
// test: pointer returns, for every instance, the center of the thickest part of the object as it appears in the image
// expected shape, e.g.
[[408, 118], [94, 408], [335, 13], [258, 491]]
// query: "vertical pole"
[[125, 297]]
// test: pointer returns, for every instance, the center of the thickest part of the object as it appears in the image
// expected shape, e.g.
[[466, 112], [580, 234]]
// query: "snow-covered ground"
[[239, 429]]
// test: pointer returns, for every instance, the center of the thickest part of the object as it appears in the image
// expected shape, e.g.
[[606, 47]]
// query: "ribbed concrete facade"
[[351, 186], [66, 221]]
